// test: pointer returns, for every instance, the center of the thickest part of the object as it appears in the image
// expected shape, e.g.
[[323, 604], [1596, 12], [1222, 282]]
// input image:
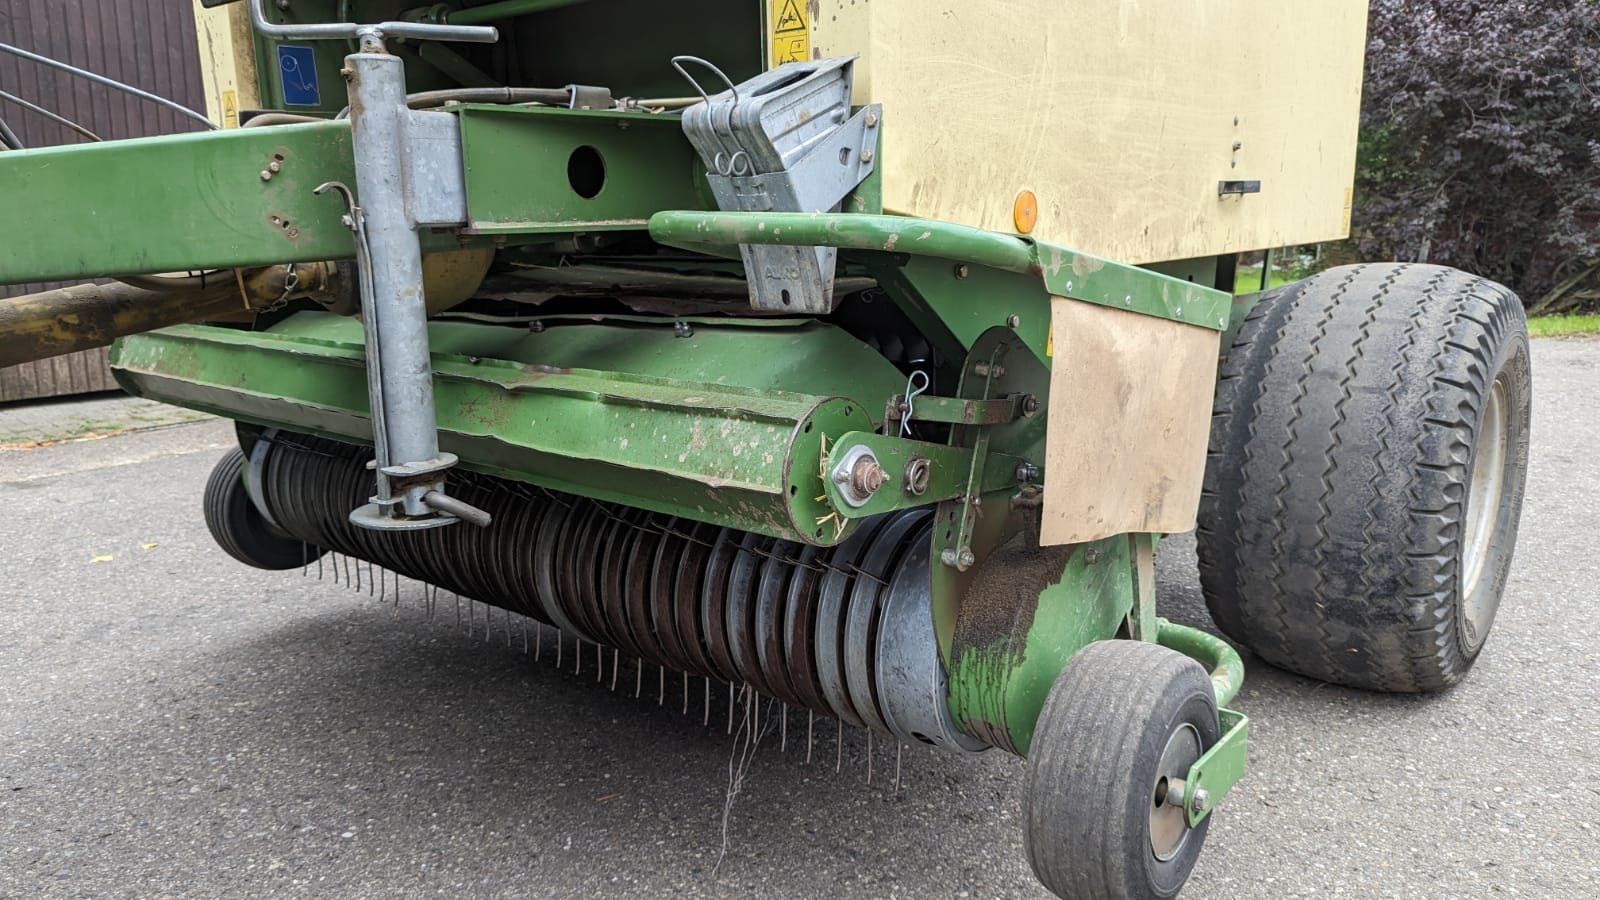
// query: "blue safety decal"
[[297, 72]]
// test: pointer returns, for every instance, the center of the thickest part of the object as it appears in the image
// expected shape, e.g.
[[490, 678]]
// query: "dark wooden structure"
[[149, 44]]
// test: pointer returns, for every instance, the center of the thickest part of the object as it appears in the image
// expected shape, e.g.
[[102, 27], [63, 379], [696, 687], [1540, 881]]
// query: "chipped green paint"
[[174, 203], [724, 427], [1058, 271], [948, 468], [1008, 650]]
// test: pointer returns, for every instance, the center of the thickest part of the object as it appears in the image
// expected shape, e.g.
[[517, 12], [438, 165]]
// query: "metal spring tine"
[[661, 689], [730, 707], [577, 655], [615, 662], [458, 609], [319, 566], [508, 632], [783, 730], [811, 718], [599, 663], [524, 623], [707, 721], [869, 756], [686, 693], [898, 749], [305, 558], [638, 678], [384, 587], [538, 639], [358, 576], [559, 644]]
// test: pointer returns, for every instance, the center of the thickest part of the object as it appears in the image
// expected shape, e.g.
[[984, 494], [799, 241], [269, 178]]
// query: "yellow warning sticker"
[[230, 109], [791, 32]]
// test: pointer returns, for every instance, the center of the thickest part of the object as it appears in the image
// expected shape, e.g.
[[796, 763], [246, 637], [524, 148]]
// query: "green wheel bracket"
[[1220, 768]]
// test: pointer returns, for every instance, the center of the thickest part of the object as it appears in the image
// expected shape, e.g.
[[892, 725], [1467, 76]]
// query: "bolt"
[[1200, 800], [1091, 556], [1014, 321], [867, 155], [965, 560], [918, 472], [866, 476], [872, 119], [1030, 405], [1178, 311], [1028, 472], [682, 329], [948, 557], [536, 327], [1128, 300], [266, 175], [274, 167], [963, 270]]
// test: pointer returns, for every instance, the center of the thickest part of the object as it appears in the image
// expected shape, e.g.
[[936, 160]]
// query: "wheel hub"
[[1169, 826], [1483, 512]]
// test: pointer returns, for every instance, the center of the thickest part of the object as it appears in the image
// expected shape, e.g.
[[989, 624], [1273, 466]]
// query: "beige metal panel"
[[227, 61], [1122, 115], [1130, 413]]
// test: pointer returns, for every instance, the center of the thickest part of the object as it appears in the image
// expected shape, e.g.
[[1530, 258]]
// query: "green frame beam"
[[174, 203], [726, 426], [1061, 271]]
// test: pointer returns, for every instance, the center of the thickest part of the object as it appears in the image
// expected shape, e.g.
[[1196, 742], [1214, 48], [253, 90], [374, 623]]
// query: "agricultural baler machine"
[[745, 339]]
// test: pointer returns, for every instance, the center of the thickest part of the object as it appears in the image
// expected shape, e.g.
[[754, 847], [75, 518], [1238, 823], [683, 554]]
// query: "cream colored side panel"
[[1130, 414], [227, 61], [1122, 115]]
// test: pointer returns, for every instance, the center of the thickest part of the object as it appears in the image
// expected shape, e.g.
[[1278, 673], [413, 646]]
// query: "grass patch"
[[1564, 326], [1247, 279]]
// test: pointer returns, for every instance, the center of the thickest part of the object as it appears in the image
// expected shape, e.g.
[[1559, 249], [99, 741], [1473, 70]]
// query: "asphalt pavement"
[[174, 724]]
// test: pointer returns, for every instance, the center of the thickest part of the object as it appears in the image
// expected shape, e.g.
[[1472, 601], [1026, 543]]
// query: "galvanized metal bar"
[[345, 30], [404, 388]]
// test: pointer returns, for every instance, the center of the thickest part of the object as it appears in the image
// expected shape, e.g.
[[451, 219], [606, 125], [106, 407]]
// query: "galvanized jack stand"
[[409, 467]]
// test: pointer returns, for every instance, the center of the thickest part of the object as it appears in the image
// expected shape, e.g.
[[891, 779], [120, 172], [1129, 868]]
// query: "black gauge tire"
[[240, 529], [1094, 755]]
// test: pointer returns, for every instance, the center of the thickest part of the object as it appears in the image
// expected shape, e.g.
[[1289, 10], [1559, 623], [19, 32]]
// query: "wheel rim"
[[1169, 826], [1483, 510]]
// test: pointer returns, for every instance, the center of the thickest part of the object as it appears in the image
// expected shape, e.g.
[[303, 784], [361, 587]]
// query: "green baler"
[[738, 349]]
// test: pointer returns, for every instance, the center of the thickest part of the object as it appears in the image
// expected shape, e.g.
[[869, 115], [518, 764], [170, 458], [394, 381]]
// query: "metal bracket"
[[915, 473], [409, 171], [1215, 773], [959, 411], [785, 141]]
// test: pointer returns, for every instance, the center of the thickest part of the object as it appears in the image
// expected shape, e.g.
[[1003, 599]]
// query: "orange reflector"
[[1025, 212]]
